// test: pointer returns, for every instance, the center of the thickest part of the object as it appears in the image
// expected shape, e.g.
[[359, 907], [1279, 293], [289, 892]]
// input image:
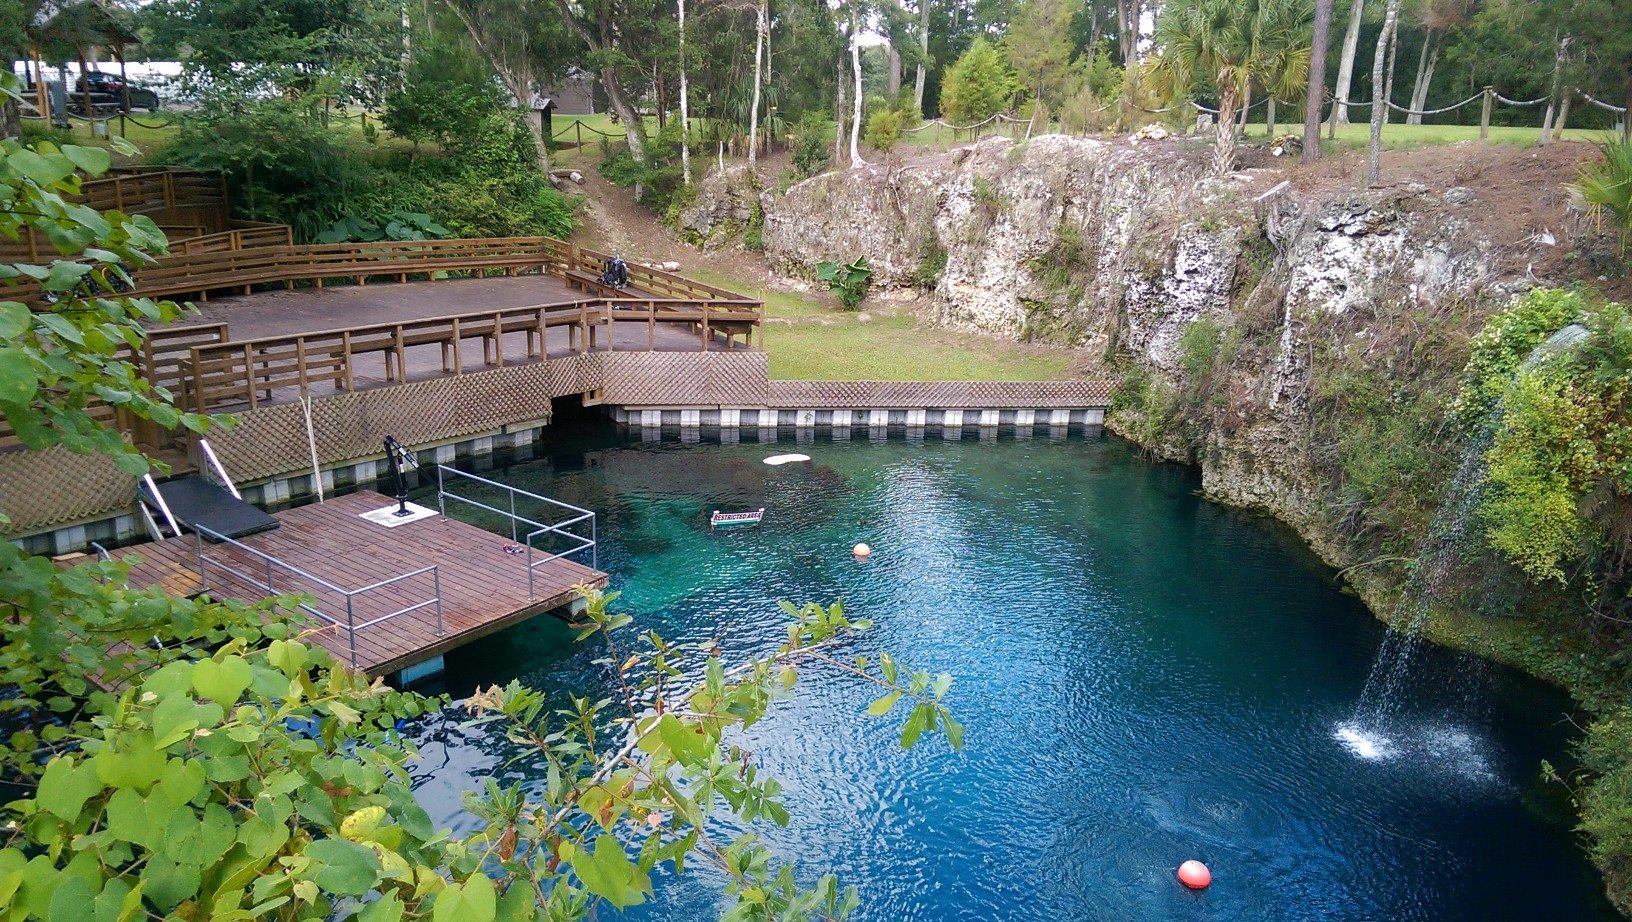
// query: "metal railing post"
[[594, 546], [268, 574], [436, 581], [351, 631], [441, 503], [203, 580], [512, 514]]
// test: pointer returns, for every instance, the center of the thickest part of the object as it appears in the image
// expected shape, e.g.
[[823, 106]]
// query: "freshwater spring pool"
[[1145, 677]]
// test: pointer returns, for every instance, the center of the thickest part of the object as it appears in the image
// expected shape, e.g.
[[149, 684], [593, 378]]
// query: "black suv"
[[109, 85]]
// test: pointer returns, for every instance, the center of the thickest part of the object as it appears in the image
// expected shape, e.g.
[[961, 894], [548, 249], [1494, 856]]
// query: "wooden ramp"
[[394, 585]]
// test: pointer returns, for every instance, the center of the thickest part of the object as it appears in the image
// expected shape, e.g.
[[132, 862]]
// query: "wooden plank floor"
[[484, 589]]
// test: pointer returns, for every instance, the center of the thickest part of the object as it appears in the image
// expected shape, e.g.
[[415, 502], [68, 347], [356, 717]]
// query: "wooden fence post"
[[1484, 113]]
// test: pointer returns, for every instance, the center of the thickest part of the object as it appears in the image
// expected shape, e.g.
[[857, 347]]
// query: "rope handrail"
[[1606, 106], [1408, 111], [1514, 102]]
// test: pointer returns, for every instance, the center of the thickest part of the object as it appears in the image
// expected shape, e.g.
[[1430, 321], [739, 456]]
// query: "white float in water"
[[775, 460]]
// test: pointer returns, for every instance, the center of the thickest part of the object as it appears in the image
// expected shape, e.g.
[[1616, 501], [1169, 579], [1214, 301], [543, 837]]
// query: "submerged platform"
[[383, 599]]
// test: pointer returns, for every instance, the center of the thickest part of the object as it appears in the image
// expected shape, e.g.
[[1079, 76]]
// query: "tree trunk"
[[1269, 106], [840, 111], [893, 87], [11, 118], [1374, 153], [855, 112], [923, 56], [1552, 104], [1318, 49], [1345, 65], [1246, 107], [1123, 41], [1426, 62], [1224, 145], [1563, 114], [685, 114], [759, 56], [1393, 68]]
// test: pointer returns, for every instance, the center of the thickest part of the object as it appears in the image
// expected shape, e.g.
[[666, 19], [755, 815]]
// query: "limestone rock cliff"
[[1120, 250]]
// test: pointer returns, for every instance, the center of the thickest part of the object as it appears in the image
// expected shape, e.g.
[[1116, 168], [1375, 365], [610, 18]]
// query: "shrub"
[[1604, 191], [847, 280], [813, 143], [979, 85]]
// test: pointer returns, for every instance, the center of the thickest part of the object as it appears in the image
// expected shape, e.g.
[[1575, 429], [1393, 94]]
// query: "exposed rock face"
[[724, 208], [1120, 250]]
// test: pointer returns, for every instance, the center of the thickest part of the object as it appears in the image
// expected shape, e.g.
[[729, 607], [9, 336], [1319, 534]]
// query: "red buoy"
[[1194, 874]]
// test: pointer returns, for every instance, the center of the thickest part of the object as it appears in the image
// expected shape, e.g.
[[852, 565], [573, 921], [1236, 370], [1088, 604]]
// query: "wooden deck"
[[483, 588]]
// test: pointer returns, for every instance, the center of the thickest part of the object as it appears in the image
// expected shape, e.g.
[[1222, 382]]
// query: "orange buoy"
[[1194, 874], [862, 551]]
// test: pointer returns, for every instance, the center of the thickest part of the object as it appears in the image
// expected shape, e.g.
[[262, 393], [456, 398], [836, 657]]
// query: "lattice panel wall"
[[272, 440], [648, 379], [44, 489]]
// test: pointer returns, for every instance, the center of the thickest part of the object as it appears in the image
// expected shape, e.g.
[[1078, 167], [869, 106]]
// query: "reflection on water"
[[1145, 678]]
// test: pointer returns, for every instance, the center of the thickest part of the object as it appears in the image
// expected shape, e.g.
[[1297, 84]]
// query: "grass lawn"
[[809, 340], [1398, 136]]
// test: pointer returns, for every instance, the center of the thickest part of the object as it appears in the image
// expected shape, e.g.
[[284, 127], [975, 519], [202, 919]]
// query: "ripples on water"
[[1144, 677]]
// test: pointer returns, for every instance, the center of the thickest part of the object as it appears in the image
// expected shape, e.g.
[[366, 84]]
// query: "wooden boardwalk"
[[483, 588]]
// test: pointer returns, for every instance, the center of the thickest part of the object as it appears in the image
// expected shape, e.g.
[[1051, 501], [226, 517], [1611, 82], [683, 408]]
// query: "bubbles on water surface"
[[1435, 747], [1364, 744]]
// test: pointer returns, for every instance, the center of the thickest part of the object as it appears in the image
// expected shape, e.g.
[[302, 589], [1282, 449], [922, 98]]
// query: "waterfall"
[[1367, 732]]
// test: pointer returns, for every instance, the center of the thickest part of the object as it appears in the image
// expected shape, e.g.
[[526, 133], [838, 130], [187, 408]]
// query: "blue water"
[[1145, 678]]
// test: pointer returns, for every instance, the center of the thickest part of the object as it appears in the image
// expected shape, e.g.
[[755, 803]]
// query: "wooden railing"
[[244, 235], [238, 375], [181, 199]]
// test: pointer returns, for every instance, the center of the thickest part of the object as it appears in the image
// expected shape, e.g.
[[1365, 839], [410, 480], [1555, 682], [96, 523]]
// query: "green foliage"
[[813, 143], [1503, 345], [398, 225], [931, 263], [659, 177], [1559, 478], [447, 94], [847, 280], [283, 166], [1604, 191], [884, 130], [1606, 802], [980, 85]]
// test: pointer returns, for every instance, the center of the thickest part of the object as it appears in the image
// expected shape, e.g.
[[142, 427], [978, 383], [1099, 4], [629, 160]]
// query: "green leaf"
[[18, 383], [882, 706], [471, 901], [608, 873], [385, 909], [93, 160], [344, 868], [69, 902], [130, 760], [66, 786], [43, 170], [15, 319], [223, 680]]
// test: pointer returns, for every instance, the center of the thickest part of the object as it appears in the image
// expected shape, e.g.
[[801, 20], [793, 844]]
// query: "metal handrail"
[[351, 624], [580, 542]]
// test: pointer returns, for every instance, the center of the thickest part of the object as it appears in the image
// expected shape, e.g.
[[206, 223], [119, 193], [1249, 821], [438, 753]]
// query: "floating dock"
[[387, 600]]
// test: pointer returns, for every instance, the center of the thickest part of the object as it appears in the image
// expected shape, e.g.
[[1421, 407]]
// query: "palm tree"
[[1316, 80], [1230, 44]]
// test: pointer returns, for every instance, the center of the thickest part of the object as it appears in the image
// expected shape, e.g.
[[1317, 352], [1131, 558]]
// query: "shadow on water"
[[1145, 677]]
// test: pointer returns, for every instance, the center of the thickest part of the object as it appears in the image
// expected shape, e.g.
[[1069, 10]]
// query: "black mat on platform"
[[196, 502]]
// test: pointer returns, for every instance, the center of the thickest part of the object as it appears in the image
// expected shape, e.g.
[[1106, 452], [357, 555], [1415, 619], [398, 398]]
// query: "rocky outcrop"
[[725, 206], [1120, 250]]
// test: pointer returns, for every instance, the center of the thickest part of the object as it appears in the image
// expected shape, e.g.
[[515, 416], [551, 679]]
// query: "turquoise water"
[[1145, 678]]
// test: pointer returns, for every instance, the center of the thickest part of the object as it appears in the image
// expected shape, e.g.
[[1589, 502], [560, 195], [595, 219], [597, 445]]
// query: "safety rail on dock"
[[273, 565], [562, 529]]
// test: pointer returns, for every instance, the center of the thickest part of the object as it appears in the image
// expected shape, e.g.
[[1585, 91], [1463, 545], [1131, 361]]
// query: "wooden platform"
[[483, 589]]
